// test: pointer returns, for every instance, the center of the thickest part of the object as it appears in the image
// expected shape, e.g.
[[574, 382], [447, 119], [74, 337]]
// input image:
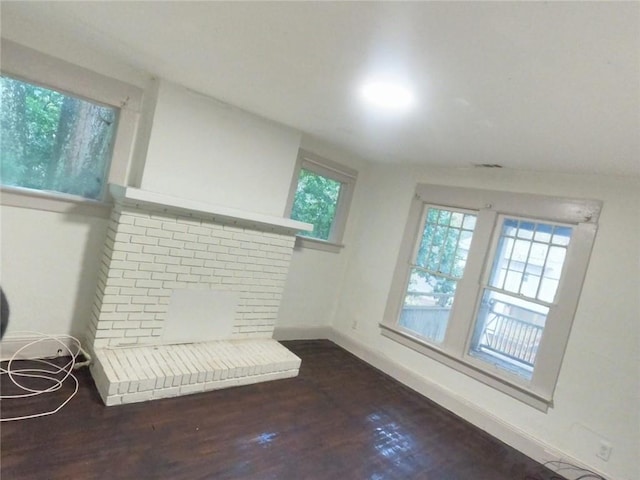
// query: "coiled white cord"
[[54, 374]]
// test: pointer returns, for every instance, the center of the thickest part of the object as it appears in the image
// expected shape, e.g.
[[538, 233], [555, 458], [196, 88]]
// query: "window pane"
[[508, 331], [316, 202], [439, 263], [53, 141], [427, 305], [529, 259]]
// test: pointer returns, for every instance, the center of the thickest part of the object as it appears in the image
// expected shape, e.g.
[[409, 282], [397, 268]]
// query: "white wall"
[[597, 393], [201, 149], [49, 268]]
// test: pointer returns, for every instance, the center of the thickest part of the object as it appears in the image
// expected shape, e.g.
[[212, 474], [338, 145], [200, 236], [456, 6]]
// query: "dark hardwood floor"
[[339, 419]]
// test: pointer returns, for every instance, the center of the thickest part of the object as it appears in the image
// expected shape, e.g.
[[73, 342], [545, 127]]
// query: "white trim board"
[[302, 333], [514, 437], [47, 348]]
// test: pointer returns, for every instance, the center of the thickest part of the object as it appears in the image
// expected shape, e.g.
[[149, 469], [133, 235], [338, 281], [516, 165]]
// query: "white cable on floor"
[[50, 372]]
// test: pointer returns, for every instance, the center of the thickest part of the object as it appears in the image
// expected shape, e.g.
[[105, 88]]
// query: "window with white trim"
[[320, 195], [53, 141], [488, 283], [66, 131]]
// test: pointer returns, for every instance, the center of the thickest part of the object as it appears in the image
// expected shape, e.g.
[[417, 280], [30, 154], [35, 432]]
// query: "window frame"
[[581, 214], [28, 65], [327, 168]]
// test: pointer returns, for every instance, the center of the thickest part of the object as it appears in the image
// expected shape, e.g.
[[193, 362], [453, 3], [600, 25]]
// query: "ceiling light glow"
[[388, 95]]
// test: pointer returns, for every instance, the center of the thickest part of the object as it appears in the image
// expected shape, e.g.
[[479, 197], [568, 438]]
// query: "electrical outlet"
[[604, 450]]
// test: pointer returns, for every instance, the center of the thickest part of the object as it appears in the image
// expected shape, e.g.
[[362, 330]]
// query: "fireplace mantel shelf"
[[139, 196]]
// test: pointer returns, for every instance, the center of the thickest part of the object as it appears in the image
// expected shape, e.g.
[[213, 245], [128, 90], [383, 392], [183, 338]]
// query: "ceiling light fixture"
[[388, 95]]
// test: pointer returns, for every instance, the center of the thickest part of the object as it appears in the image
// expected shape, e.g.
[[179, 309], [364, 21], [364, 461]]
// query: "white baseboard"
[[46, 348], [507, 433], [302, 333]]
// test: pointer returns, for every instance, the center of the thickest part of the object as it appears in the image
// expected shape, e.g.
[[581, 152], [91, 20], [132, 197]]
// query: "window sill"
[[518, 392], [53, 202], [317, 244]]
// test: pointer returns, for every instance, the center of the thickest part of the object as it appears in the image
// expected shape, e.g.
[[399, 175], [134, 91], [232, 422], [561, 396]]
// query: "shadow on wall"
[[4, 313], [87, 280]]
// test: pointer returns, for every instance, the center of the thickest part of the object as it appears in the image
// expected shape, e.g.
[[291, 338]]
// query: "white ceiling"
[[536, 86]]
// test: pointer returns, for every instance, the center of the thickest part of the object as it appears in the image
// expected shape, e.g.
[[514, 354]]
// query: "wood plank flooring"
[[339, 419]]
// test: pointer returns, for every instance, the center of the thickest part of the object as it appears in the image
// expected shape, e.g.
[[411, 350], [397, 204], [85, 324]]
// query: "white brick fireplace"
[[188, 296]]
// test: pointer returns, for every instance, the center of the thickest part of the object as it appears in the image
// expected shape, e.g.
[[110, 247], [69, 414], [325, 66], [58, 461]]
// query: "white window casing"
[[326, 168], [582, 215], [37, 68]]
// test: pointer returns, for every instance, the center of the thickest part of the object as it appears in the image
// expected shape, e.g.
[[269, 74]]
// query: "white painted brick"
[[210, 280], [155, 250], [151, 324], [152, 267], [195, 246], [167, 260], [113, 400], [122, 265], [229, 242], [137, 397], [188, 278], [124, 323], [118, 255], [146, 283], [155, 308], [131, 229], [133, 291], [234, 266], [178, 269], [199, 230], [192, 262], [217, 249], [165, 276], [178, 252], [112, 290], [170, 243], [115, 299], [159, 292], [121, 282], [137, 332], [166, 392], [175, 227], [189, 389], [205, 255], [158, 233], [201, 271], [144, 300], [142, 316], [147, 222], [126, 219], [128, 308], [136, 275], [109, 334], [186, 237], [227, 258], [208, 240], [144, 240]]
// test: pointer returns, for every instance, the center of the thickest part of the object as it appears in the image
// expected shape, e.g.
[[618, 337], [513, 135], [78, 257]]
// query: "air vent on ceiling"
[[487, 165]]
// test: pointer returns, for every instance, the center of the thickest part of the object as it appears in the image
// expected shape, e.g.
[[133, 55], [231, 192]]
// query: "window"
[[52, 141], [66, 132], [488, 283], [321, 195]]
